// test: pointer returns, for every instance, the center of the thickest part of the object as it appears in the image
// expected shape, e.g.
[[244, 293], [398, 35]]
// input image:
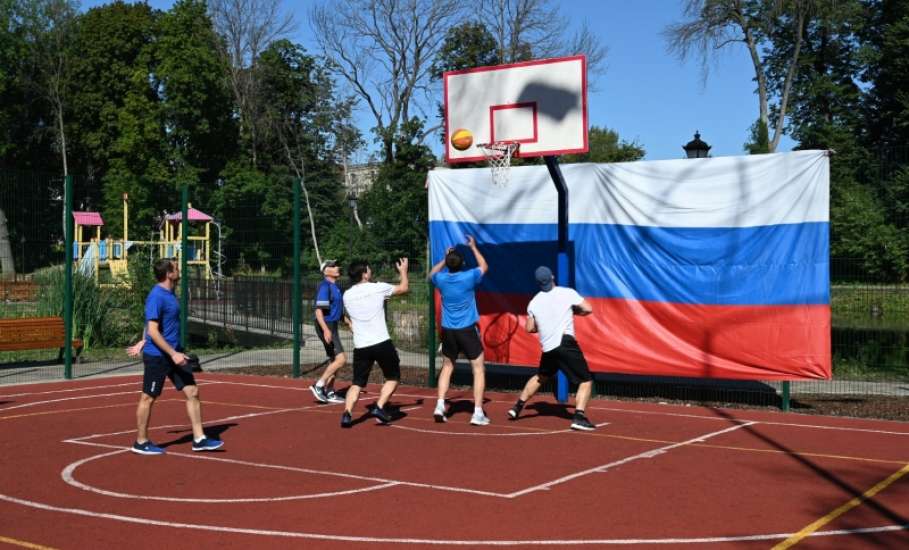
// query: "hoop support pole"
[[563, 275]]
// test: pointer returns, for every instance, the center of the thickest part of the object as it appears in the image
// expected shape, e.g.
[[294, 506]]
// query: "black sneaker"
[[580, 422], [346, 420], [515, 412], [319, 393], [381, 416]]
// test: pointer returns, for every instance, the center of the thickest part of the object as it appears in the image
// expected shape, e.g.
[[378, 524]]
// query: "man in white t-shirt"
[[365, 305], [551, 314]]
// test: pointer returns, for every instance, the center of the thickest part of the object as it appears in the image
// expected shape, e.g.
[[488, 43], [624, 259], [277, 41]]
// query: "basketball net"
[[498, 155]]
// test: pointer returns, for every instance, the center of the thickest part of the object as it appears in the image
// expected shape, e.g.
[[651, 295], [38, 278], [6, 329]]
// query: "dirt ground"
[[856, 406]]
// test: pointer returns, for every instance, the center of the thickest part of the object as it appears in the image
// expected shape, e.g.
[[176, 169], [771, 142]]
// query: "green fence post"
[[431, 336], [785, 403], [184, 274], [296, 312], [69, 229]]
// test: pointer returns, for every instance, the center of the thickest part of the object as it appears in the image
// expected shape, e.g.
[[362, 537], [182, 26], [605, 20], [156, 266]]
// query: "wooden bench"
[[34, 333], [18, 291]]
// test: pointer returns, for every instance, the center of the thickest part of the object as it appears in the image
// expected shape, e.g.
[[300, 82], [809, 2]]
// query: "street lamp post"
[[352, 202], [696, 149]]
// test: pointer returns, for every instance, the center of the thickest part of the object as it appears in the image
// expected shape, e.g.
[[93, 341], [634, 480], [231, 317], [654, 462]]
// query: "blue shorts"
[[159, 367]]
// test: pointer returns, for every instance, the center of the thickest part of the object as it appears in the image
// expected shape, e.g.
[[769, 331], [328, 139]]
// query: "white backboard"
[[541, 104]]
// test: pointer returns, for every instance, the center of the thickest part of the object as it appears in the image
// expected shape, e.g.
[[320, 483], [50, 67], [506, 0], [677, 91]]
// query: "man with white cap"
[[329, 309], [551, 315]]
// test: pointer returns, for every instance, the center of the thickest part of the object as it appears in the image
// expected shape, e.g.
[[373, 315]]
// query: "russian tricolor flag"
[[701, 268]]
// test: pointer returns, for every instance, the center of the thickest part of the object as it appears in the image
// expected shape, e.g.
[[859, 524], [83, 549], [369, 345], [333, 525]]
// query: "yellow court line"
[[24, 544], [849, 505]]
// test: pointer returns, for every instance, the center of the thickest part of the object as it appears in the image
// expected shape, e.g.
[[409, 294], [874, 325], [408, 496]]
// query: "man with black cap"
[[329, 309], [459, 325], [551, 314]]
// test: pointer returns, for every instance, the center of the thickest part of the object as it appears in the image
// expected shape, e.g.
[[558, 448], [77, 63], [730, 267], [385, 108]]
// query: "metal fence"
[[240, 315]]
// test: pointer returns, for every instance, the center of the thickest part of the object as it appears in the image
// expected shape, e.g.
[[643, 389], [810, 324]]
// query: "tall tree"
[[197, 106], [888, 72], [246, 29], [50, 26], [115, 121], [385, 52], [715, 24], [308, 126], [528, 29]]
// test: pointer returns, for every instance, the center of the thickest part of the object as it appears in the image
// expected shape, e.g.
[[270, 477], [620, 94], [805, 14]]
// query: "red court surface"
[[652, 475]]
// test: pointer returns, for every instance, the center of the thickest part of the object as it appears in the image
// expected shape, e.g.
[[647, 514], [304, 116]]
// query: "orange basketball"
[[461, 139]]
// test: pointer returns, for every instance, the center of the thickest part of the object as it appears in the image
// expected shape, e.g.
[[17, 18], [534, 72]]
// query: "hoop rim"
[[502, 145]]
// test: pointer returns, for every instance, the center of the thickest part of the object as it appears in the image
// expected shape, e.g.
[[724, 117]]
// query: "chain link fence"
[[239, 254]]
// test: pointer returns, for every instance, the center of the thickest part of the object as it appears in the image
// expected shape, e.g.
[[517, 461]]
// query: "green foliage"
[[197, 106], [606, 147], [759, 143], [395, 207], [91, 304]]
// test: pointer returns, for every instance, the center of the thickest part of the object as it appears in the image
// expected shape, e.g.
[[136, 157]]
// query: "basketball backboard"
[[540, 104]]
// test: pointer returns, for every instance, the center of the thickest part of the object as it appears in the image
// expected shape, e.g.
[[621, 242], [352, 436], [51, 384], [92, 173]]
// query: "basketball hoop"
[[498, 154]]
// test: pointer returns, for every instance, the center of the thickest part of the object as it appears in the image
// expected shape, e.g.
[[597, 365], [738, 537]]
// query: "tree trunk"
[[7, 267]]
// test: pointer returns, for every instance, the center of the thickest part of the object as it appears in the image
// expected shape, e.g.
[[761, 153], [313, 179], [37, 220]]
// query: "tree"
[[197, 108], [534, 29], [247, 28], [887, 38], [307, 127], [385, 52], [715, 24], [395, 207], [50, 27], [604, 146], [115, 118]]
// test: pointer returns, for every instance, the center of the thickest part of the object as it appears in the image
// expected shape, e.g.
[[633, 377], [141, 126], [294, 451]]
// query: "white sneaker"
[[479, 419], [439, 414]]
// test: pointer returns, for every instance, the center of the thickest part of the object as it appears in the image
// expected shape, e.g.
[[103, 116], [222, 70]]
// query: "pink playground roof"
[[88, 218], [194, 216]]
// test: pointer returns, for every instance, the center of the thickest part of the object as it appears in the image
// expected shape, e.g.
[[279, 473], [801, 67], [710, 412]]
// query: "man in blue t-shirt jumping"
[[329, 309], [164, 358], [459, 325]]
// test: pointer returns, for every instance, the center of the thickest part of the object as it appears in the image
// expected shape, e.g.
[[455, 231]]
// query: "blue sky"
[[646, 94]]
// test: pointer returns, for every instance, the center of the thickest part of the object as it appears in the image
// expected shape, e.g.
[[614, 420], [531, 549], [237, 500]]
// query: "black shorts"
[[334, 347], [159, 367], [458, 340], [383, 353], [568, 358]]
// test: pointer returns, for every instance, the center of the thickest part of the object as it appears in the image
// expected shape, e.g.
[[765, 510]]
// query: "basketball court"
[[650, 475]]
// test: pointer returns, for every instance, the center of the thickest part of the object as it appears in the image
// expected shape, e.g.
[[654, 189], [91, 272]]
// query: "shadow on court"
[[213, 432]]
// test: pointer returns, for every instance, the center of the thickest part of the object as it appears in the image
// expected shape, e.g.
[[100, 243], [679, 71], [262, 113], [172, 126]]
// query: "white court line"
[[768, 422], [389, 482], [434, 541], [33, 403], [647, 454], [480, 433], [68, 475], [107, 386]]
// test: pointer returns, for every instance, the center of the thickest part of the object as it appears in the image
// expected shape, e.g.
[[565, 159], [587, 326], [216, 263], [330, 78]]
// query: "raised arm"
[[403, 286], [439, 265], [481, 261]]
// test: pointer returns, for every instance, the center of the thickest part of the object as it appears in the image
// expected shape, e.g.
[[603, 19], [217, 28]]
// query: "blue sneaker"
[[207, 444], [380, 415], [147, 448]]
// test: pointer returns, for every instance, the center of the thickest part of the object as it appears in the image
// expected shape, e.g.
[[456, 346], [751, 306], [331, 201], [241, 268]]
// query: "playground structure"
[[92, 253]]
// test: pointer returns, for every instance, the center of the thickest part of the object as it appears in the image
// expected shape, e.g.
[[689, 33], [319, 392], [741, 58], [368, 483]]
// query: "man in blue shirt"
[[329, 308], [163, 358], [459, 325]]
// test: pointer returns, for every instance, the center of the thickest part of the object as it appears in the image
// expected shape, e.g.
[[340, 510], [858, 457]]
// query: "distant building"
[[360, 177]]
